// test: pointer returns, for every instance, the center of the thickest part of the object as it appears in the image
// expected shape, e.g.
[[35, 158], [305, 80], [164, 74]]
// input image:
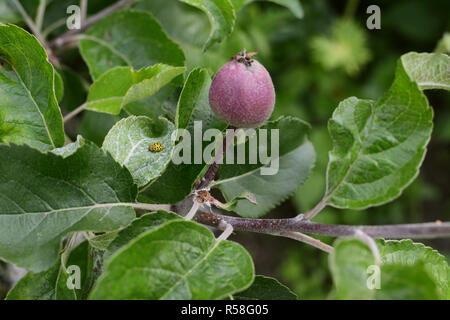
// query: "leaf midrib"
[[90, 207], [350, 167], [184, 276]]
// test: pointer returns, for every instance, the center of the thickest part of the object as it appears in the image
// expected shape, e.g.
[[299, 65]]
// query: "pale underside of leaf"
[[429, 70], [129, 143]]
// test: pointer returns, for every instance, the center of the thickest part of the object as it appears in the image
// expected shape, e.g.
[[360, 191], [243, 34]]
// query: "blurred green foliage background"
[[315, 62]]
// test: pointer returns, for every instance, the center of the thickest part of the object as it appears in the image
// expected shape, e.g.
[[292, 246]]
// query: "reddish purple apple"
[[242, 92]]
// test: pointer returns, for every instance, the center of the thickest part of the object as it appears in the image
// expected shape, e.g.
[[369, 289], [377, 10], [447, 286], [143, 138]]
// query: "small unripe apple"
[[242, 92]]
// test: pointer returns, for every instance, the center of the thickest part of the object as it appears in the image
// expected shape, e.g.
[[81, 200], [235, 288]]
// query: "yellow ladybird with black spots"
[[156, 147]]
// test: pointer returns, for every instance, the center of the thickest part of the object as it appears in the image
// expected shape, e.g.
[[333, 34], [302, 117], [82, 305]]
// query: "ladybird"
[[156, 147]]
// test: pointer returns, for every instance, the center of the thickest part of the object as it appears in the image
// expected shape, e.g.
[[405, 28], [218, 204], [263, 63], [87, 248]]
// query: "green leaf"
[[379, 146], [429, 70], [179, 260], [122, 85], [296, 160], [129, 141], [146, 222], [221, 16], [44, 197], [396, 278], [52, 283], [128, 38], [406, 252], [29, 111], [293, 5], [408, 271], [194, 101], [292, 134], [266, 288], [193, 105]]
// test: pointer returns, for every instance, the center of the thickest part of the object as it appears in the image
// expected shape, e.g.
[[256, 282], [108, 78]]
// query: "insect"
[[156, 147]]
